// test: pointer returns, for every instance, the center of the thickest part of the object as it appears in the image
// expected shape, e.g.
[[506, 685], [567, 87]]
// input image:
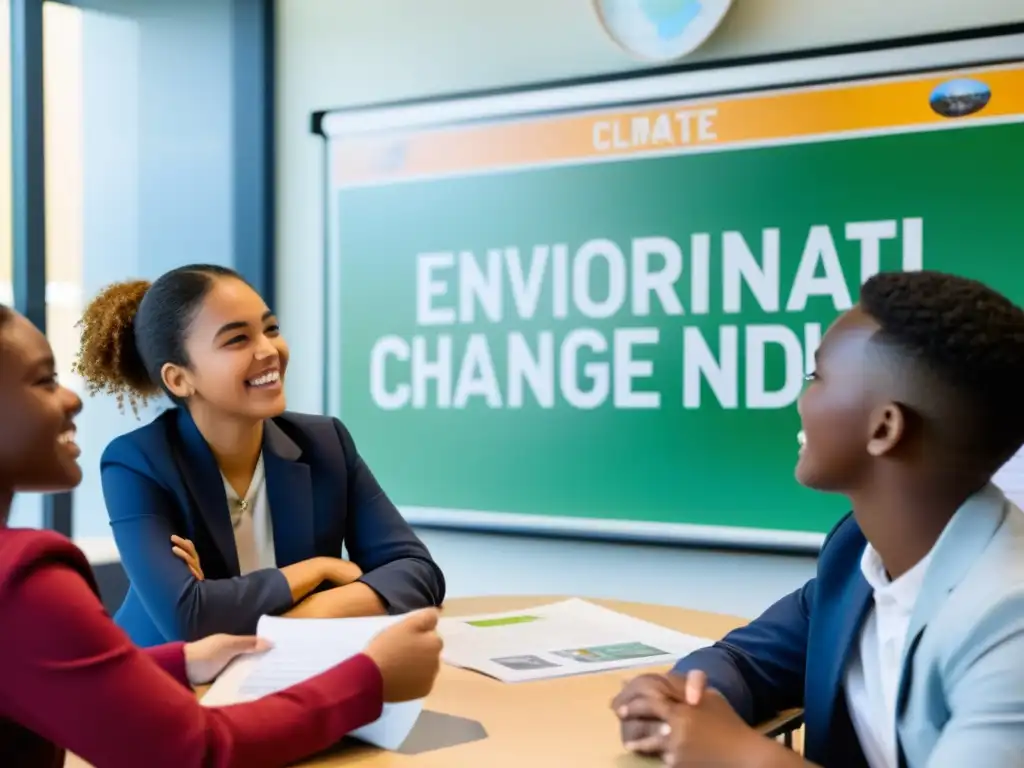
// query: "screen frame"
[[597, 94]]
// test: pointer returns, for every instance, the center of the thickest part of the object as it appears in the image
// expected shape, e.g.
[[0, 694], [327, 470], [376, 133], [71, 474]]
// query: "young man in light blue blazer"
[[907, 649]]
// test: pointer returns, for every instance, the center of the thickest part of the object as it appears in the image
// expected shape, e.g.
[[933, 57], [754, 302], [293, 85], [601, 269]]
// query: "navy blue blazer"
[[960, 698], [794, 654], [162, 479]]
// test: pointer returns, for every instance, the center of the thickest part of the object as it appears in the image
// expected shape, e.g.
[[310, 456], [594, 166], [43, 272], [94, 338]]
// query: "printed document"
[[303, 648], [573, 637]]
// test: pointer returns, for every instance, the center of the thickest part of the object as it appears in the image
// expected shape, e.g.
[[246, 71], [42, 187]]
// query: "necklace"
[[242, 504], [241, 507]]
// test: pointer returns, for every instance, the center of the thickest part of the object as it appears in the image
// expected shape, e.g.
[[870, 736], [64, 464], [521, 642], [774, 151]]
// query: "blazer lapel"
[[846, 612], [290, 493], [958, 548], [202, 477]]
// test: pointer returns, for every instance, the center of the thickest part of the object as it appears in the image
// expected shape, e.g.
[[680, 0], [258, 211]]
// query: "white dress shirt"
[[250, 516], [874, 667]]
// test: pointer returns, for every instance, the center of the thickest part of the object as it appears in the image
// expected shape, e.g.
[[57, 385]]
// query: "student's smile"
[[66, 440], [268, 380]]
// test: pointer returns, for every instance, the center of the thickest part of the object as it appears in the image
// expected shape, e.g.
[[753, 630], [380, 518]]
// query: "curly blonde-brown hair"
[[108, 358]]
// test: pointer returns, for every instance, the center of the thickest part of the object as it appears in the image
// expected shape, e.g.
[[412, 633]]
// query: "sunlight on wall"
[[62, 92]]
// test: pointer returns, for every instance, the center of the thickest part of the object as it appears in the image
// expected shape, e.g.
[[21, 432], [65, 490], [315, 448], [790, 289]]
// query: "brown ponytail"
[[133, 329], [108, 358]]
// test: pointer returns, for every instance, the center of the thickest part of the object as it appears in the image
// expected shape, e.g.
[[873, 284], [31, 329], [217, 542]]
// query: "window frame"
[[252, 107]]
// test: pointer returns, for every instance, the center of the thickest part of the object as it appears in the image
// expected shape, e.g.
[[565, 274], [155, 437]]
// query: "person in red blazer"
[[70, 679]]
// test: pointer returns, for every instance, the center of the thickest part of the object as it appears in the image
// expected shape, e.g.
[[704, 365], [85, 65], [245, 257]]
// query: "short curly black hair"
[[967, 337]]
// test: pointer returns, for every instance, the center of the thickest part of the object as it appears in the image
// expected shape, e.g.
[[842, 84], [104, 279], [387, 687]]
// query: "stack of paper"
[[303, 648], [572, 637]]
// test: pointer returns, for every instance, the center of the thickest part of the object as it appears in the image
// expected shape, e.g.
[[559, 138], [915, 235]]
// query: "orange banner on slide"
[[793, 115]]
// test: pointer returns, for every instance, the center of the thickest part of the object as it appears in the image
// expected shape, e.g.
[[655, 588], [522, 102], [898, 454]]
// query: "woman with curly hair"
[[226, 507]]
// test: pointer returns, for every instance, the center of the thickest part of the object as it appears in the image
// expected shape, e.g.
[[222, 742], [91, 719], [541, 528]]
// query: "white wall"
[[334, 53]]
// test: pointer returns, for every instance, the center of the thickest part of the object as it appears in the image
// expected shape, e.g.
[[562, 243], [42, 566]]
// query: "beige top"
[[250, 517]]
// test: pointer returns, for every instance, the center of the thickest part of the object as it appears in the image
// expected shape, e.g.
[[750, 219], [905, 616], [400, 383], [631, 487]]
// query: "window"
[[140, 162], [156, 150]]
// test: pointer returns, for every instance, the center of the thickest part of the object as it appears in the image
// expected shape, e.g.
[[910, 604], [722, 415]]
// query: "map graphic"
[[661, 30]]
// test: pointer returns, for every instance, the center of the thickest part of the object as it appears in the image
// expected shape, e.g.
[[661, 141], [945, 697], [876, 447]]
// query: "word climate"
[[581, 327]]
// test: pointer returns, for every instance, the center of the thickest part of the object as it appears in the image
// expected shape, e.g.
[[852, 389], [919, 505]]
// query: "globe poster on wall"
[[660, 30]]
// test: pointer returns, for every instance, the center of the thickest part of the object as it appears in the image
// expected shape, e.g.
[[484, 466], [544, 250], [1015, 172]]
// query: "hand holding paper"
[[408, 655], [406, 649], [205, 659]]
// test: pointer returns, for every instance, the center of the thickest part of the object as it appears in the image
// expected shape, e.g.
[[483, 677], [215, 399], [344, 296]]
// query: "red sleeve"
[[81, 684], [170, 657]]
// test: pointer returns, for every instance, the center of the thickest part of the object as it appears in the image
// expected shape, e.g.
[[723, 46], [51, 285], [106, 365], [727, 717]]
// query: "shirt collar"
[[904, 590]]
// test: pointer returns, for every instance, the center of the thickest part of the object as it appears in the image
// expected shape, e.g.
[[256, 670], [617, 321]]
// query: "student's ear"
[[888, 425], [177, 380]]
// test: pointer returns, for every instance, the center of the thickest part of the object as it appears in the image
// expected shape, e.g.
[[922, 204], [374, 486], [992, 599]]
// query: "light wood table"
[[556, 723]]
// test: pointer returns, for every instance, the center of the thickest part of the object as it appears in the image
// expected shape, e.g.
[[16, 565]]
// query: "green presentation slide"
[[599, 320]]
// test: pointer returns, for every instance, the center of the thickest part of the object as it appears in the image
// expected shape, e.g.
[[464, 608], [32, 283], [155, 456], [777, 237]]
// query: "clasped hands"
[[680, 720], [335, 570]]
